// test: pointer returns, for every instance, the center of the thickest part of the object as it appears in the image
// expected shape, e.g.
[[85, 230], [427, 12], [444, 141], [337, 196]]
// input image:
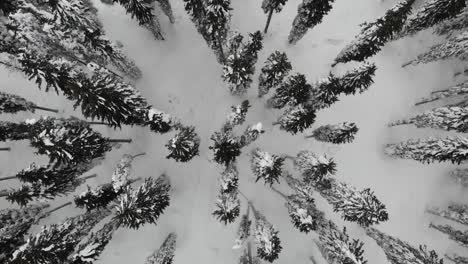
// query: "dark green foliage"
[[99, 197], [297, 119], [140, 9], [144, 205], [226, 148], [276, 68], [184, 146], [294, 91]]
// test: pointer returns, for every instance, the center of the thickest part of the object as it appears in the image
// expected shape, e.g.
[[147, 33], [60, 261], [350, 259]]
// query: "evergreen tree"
[[266, 237], [457, 259], [314, 168], [326, 92], [277, 67], [293, 91], [455, 212], [229, 179], [12, 235], [165, 254], [12, 104], [184, 146], [227, 207], [216, 21], [243, 231], [270, 6], [456, 90], [238, 114], [266, 166], [431, 13], [10, 216], [141, 10], [447, 118], [458, 236], [251, 134], [460, 176], [135, 208], [375, 35], [453, 25], [252, 48], [336, 246], [297, 119], [398, 251], [91, 249], [309, 14], [430, 150], [226, 148], [453, 48], [54, 243], [236, 68], [337, 133], [65, 141], [38, 191], [102, 195]]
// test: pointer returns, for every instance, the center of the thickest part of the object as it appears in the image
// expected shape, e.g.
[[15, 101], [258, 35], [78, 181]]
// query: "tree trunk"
[[275, 123], [221, 51], [280, 193], [58, 208], [7, 178], [5, 149], [46, 109], [309, 136], [249, 252], [268, 21], [97, 123], [128, 140], [458, 73], [406, 64], [89, 177], [425, 102], [3, 193], [139, 154]]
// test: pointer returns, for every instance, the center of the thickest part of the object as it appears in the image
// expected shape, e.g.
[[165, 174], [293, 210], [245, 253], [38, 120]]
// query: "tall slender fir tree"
[[336, 133], [270, 6], [276, 68]]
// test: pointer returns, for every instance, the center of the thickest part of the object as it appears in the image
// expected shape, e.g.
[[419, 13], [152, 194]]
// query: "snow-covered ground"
[[182, 77]]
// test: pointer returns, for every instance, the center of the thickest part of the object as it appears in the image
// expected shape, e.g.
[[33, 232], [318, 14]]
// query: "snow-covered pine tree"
[[236, 68], [252, 48], [17, 225], [141, 10], [460, 176], [276, 68], [454, 211], [184, 146], [102, 195], [334, 244], [266, 166], [251, 134], [456, 90], [90, 250], [398, 251], [337, 133], [458, 236], [302, 211], [38, 191], [453, 48], [337, 247], [68, 141], [165, 253], [314, 168], [144, 205], [237, 115], [54, 243], [12, 104], [216, 21], [453, 25], [457, 259], [309, 14], [375, 35], [227, 207], [270, 6], [326, 92], [243, 231], [226, 148], [293, 91], [297, 119], [447, 118], [266, 237], [432, 13], [430, 150], [229, 179]]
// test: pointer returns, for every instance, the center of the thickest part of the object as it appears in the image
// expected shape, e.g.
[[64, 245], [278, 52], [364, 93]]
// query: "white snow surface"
[[182, 78]]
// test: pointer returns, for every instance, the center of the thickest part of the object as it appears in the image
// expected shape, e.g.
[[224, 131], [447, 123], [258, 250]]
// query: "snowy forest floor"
[[182, 77]]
